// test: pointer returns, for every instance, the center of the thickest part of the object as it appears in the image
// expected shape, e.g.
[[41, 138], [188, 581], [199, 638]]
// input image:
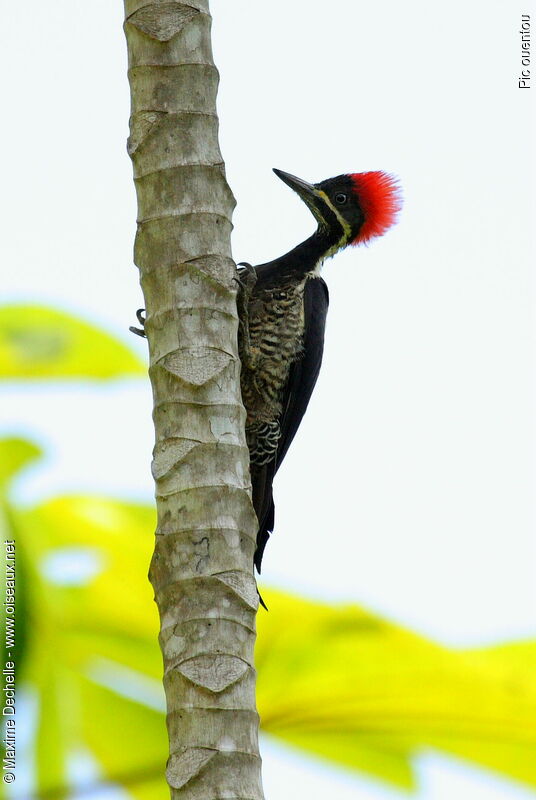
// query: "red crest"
[[380, 200]]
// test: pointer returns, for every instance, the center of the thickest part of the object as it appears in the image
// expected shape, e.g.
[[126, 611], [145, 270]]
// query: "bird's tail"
[[262, 477]]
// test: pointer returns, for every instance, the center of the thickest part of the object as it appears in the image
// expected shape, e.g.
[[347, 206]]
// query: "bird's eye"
[[340, 198]]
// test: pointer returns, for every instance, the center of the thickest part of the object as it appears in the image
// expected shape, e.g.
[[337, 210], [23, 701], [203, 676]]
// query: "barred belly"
[[276, 340]]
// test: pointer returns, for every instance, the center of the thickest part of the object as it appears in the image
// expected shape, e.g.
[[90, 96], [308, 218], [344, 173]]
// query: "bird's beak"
[[305, 190]]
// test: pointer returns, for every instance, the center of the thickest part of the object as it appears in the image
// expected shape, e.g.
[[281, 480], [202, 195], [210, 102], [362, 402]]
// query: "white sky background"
[[419, 440]]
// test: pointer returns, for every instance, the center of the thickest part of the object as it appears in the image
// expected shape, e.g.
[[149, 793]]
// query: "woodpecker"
[[282, 308]]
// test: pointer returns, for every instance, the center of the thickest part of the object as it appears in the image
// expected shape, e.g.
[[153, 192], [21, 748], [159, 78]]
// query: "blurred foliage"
[[15, 454], [346, 684], [336, 681], [40, 342]]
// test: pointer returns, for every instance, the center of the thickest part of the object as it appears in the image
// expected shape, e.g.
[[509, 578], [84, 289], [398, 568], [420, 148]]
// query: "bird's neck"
[[307, 257]]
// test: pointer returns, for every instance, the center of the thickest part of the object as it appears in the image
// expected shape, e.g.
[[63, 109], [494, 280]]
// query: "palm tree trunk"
[[201, 570]]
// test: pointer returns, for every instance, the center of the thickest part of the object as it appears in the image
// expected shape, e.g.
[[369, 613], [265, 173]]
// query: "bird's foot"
[[247, 278], [140, 314]]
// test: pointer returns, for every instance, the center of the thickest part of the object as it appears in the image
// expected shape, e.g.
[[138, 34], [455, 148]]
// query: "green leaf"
[[369, 694], [110, 613], [40, 342], [15, 454], [336, 681], [53, 722], [92, 638], [106, 719]]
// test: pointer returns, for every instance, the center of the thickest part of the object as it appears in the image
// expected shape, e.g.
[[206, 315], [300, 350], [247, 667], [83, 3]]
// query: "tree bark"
[[201, 569]]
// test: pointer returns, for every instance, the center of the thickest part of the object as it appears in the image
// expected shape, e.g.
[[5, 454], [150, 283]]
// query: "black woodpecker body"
[[283, 308]]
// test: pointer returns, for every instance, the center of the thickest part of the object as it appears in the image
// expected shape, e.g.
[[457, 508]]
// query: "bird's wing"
[[301, 382], [304, 372]]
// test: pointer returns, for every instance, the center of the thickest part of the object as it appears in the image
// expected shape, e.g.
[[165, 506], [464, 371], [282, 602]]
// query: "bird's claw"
[[140, 316], [137, 331], [247, 277]]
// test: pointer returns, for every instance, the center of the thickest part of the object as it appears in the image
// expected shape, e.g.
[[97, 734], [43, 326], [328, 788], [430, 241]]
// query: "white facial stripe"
[[346, 236], [347, 228]]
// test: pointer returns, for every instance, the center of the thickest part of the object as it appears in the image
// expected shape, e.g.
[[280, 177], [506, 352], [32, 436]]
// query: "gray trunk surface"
[[201, 570]]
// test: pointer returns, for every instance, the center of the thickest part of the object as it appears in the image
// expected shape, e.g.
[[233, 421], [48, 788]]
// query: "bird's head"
[[350, 209]]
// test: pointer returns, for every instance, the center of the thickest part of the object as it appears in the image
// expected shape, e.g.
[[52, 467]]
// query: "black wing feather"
[[301, 382]]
